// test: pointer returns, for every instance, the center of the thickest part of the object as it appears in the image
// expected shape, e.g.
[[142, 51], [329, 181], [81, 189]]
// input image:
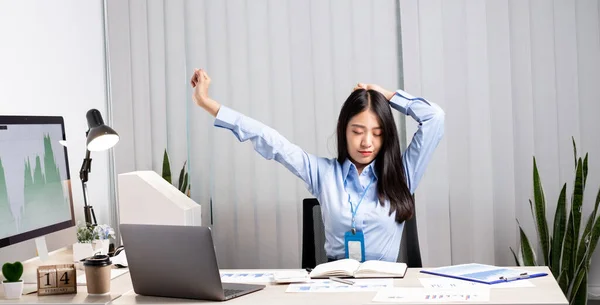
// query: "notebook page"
[[381, 269]]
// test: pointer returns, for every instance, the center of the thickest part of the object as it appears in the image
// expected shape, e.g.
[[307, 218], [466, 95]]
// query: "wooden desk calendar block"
[[56, 279]]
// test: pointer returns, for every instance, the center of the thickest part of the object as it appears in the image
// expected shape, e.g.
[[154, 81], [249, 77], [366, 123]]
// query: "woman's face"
[[364, 136]]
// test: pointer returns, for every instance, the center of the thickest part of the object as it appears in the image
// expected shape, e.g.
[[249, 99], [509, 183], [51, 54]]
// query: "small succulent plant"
[[12, 272]]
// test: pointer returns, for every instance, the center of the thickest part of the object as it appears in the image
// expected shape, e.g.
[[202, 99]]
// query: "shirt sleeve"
[[431, 130], [272, 145]]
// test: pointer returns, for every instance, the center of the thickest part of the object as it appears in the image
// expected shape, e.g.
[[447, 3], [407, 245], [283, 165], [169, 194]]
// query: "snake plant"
[[566, 250], [183, 181]]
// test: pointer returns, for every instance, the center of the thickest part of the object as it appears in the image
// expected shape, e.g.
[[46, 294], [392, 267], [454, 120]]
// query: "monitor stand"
[[42, 248], [42, 258]]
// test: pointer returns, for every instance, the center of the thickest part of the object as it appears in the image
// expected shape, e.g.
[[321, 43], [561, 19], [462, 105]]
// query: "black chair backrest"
[[313, 234], [313, 238], [410, 252]]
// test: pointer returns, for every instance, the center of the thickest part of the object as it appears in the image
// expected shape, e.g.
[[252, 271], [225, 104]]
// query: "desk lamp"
[[99, 138]]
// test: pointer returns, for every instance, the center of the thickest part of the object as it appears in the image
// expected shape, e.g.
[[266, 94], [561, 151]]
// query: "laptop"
[[178, 262]]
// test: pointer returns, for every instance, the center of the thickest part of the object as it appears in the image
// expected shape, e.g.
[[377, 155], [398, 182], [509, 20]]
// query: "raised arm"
[[431, 130], [266, 141]]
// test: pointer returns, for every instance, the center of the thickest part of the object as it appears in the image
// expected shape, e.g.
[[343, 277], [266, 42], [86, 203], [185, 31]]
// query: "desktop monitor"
[[147, 198], [35, 187]]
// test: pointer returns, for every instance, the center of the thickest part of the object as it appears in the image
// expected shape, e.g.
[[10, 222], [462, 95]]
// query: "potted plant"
[[92, 240], [13, 285], [565, 250], [183, 181]]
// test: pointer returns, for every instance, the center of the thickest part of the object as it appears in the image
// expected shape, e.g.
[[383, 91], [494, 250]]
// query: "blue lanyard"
[[352, 210]]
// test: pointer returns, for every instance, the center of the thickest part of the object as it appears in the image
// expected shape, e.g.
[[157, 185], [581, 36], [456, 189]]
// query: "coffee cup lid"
[[98, 260]]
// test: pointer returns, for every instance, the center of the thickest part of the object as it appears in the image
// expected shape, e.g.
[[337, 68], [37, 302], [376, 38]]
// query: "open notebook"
[[353, 268]]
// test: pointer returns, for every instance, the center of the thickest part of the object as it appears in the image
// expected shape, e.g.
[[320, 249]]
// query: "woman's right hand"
[[200, 82], [388, 94]]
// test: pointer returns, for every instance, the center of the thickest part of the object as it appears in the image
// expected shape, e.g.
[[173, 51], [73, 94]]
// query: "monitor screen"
[[35, 187]]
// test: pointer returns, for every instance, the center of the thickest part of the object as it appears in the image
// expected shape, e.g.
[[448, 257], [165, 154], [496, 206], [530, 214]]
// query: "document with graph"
[[481, 273]]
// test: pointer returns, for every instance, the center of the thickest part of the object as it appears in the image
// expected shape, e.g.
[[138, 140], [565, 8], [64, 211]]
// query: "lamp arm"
[[86, 167]]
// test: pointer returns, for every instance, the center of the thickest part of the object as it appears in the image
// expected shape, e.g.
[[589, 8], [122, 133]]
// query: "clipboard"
[[481, 273]]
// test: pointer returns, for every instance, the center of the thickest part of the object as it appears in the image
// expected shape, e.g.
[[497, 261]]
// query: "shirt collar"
[[348, 165]]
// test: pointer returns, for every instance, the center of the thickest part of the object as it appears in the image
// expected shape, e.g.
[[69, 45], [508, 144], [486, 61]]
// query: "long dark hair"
[[388, 166]]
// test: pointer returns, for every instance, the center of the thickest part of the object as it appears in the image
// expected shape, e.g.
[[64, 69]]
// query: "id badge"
[[355, 245]]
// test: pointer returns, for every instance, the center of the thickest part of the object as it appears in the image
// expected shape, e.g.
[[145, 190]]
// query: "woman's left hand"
[[388, 94]]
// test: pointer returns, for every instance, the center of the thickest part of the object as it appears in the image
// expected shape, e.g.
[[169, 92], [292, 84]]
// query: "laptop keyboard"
[[229, 292]]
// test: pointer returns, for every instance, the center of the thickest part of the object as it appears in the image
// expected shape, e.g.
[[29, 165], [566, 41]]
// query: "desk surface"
[[546, 291], [119, 285]]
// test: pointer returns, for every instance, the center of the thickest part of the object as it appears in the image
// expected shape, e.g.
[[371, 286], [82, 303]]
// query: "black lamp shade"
[[100, 137]]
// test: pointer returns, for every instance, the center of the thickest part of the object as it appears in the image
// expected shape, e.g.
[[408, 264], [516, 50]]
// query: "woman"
[[366, 192]]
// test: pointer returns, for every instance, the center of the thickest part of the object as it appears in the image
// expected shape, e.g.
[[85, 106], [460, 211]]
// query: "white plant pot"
[[81, 251], [84, 250], [13, 290], [101, 246]]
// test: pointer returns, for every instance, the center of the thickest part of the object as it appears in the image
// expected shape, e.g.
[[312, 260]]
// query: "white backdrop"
[[516, 79], [289, 64]]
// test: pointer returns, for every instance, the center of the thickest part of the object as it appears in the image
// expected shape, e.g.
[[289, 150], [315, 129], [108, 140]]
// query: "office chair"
[[313, 234], [313, 238]]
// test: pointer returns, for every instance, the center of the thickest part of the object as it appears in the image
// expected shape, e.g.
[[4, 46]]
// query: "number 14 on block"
[[56, 279]]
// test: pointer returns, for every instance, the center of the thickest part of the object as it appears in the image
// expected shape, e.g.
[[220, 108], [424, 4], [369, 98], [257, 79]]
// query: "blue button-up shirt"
[[325, 178]]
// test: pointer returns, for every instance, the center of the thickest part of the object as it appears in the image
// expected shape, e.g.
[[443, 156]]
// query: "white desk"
[[546, 291]]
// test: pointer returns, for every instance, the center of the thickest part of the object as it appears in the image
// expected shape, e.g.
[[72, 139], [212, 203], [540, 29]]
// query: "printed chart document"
[[246, 277], [411, 295], [449, 283], [353, 268], [480, 273], [360, 285]]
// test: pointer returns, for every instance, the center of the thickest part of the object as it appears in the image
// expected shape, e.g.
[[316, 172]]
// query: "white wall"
[[517, 79], [52, 63]]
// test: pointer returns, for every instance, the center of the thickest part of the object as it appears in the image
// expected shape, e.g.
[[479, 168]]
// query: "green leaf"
[[183, 189], [181, 174], [576, 203], [587, 233], [594, 236], [540, 214], [515, 256], [558, 235], [526, 250], [531, 208], [585, 169], [579, 286], [584, 242], [567, 259], [595, 211], [166, 168], [574, 151], [563, 281], [581, 295]]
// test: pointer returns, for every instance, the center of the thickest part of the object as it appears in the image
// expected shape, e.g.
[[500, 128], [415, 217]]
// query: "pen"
[[339, 280], [514, 278]]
